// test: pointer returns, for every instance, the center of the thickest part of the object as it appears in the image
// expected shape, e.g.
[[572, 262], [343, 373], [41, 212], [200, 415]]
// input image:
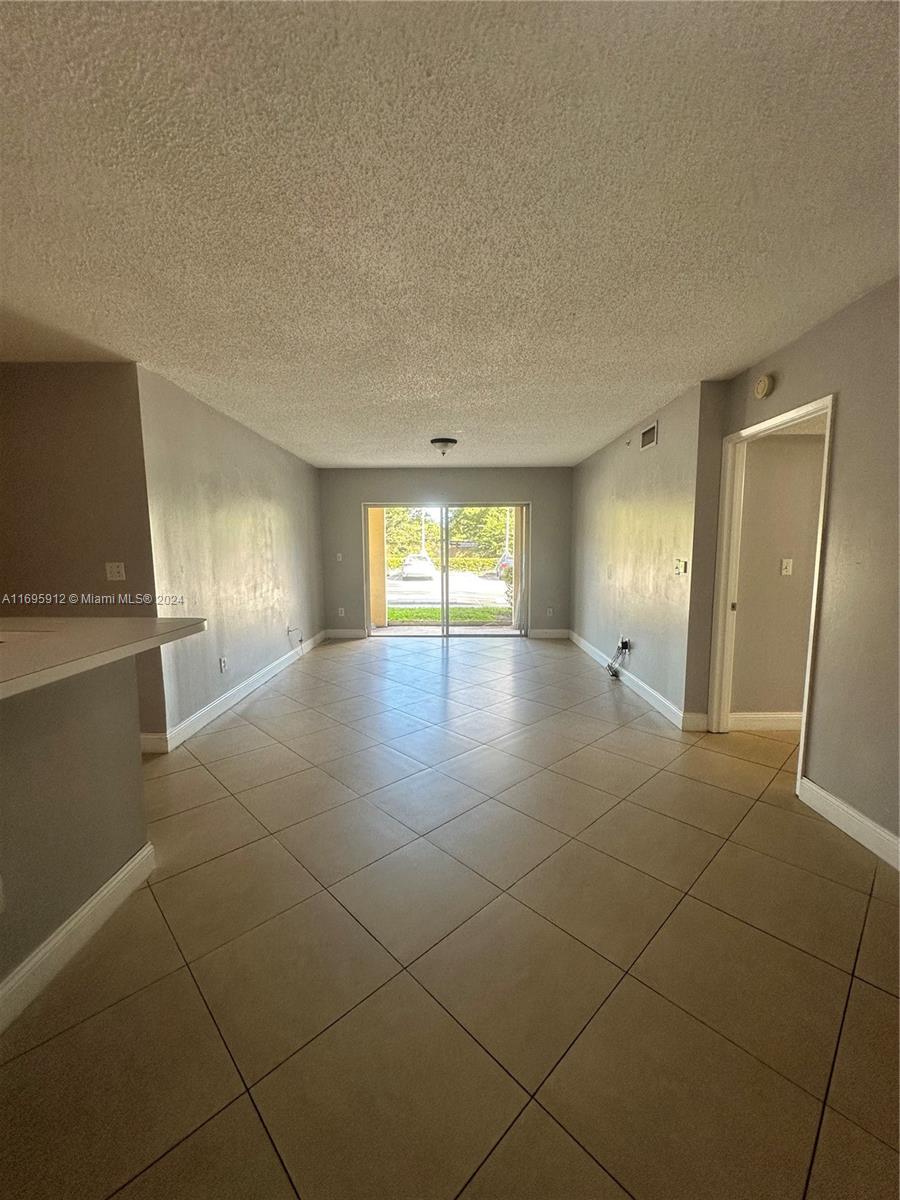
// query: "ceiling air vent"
[[649, 435]]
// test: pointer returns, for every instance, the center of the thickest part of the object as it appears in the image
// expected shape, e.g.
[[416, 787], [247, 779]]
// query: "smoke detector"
[[443, 444], [764, 386]]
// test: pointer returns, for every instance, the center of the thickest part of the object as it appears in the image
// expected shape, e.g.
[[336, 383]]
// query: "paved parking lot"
[[465, 588]]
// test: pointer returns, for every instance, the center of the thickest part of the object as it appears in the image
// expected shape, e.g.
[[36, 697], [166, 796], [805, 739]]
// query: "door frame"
[[445, 629], [731, 505]]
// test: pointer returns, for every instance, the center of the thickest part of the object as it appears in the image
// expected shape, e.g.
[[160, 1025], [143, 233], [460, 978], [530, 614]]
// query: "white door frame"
[[731, 502]]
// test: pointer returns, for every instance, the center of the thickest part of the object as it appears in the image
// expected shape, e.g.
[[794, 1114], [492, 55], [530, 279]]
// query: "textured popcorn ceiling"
[[354, 227]]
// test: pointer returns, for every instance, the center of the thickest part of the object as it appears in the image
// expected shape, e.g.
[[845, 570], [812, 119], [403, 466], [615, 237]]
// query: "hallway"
[[437, 919]]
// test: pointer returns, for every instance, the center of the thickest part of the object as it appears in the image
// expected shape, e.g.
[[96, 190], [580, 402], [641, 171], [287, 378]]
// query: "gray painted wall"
[[547, 489], [235, 526], [853, 719], [72, 480], [633, 515], [782, 485], [74, 496], [73, 800]]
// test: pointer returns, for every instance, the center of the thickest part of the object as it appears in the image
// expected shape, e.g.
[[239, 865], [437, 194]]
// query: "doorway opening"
[[441, 570], [771, 521]]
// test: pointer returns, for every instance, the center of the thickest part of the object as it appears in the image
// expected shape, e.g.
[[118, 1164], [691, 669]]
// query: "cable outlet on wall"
[[340, 612], [223, 664], [115, 571]]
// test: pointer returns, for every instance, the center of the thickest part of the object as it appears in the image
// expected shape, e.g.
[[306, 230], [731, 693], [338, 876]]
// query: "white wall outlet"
[[339, 557], [223, 664], [115, 571], [340, 612], [787, 566], [681, 566], [549, 612]]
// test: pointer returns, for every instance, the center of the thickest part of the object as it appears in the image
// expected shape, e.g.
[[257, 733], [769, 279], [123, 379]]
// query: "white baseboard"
[[695, 722], [654, 698], [550, 633], [767, 720], [335, 635], [29, 978], [163, 743], [861, 828]]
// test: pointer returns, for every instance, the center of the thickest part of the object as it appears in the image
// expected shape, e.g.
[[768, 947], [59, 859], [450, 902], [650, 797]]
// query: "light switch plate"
[[681, 566], [115, 572], [787, 566]]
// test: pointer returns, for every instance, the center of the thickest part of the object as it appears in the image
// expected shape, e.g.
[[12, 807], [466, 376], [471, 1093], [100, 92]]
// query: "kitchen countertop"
[[35, 651]]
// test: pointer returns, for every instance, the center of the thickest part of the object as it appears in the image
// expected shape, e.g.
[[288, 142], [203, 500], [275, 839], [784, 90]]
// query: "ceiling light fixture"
[[443, 444]]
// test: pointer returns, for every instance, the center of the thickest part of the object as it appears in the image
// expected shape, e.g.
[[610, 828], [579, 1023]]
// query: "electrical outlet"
[[549, 612], [787, 566], [340, 612], [339, 557], [223, 664], [681, 566], [115, 572]]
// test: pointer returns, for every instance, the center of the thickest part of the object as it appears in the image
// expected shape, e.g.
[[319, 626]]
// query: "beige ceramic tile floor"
[[433, 921]]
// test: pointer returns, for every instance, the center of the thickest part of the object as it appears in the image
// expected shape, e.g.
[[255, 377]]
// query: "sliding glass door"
[[481, 569], [442, 570]]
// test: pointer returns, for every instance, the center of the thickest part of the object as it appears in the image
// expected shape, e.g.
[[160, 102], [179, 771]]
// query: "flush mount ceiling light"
[[443, 444]]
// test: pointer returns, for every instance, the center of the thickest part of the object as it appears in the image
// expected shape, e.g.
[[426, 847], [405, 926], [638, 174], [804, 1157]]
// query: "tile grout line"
[[590, 1153], [456, 1195], [104, 1008], [238, 1071], [331, 1024], [180, 1141], [837, 1045], [213, 1115], [626, 972]]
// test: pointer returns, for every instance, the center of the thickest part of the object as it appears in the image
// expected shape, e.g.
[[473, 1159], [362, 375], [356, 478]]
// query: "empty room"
[[449, 600]]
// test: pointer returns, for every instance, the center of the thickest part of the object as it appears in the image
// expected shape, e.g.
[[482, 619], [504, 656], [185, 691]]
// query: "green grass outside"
[[459, 615]]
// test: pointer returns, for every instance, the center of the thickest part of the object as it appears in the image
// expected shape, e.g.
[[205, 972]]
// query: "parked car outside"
[[504, 564], [418, 566]]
